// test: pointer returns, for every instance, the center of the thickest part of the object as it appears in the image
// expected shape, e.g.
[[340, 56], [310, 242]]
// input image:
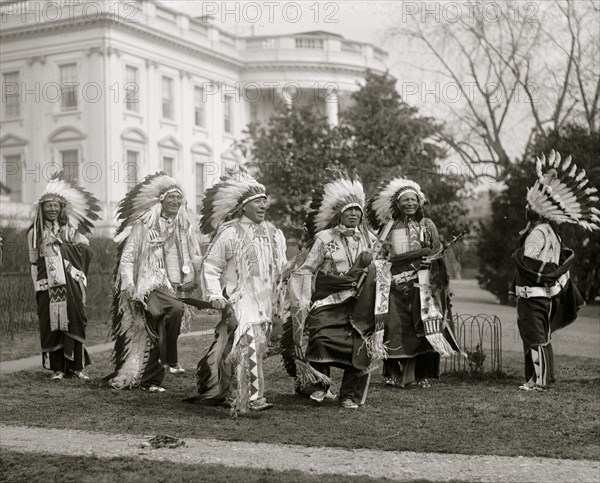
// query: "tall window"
[[168, 163], [199, 186], [12, 170], [70, 165], [199, 106], [131, 169], [68, 86], [11, 97], [132, 88], [228, 115], [167, 98]]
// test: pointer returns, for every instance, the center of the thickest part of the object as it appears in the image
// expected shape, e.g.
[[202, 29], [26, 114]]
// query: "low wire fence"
[[480, 338], [18, 307]]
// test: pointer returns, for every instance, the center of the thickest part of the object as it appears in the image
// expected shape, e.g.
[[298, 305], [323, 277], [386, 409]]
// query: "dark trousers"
[[164, 314], [545, 365], [71, 357], [354, 386]]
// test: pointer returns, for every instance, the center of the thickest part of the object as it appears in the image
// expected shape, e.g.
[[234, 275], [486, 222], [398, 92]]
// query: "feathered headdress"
[[224, 200], [560, 194], [78, 206], [143, 202], [330, 200], [380, 208]]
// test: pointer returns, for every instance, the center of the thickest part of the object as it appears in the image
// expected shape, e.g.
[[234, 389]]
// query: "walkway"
[[399, 466]]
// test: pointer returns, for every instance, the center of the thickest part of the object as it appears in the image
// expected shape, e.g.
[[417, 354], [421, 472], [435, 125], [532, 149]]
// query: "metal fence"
[[480, 338]]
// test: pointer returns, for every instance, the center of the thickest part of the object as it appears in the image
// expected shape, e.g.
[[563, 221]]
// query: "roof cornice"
[[107, 20], [341, 68]]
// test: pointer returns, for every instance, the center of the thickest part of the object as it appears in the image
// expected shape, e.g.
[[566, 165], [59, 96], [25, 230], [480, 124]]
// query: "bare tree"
[[519, 70]]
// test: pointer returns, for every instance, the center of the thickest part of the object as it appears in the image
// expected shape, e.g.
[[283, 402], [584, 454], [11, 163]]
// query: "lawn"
[[455, 415], [26, 343]]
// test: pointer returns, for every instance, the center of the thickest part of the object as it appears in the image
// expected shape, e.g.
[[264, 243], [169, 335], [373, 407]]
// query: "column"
[[331, 106]]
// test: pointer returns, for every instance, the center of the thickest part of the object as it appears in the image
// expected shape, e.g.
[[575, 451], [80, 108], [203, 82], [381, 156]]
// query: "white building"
[[113, 90]]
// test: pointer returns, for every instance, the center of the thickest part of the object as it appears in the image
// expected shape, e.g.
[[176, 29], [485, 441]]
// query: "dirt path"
[[400, 466]]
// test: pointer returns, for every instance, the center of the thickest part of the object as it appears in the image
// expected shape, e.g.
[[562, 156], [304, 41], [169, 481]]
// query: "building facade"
[[112, 91]]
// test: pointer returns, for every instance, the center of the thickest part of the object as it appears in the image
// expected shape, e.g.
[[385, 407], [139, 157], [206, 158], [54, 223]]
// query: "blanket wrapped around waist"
[[530, 272], [404, 307], [61, 309], [332, 337]]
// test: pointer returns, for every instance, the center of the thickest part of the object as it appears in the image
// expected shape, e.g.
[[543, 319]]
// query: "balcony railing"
[[199, 28], [308, 43], [351, 46], [260, 44]]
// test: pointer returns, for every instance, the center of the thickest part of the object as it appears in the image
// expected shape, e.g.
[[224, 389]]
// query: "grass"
[[455, 415], [27, 342], [19, 467]]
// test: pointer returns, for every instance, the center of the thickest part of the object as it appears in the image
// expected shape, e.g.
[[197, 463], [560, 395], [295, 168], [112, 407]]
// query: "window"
[[12, 170], [68, 86], [198, 106], [168, 165], [199, 186], [167, 98], [131, 169], [228, 114], [11, 97], [132, 88], [70, 165], [308, 43]]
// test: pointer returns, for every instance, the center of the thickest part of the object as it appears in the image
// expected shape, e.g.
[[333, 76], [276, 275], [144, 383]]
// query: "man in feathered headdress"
[[405, 296], [547, 300], [156, 258], [240, 274], [59, 254], [322, 290]]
